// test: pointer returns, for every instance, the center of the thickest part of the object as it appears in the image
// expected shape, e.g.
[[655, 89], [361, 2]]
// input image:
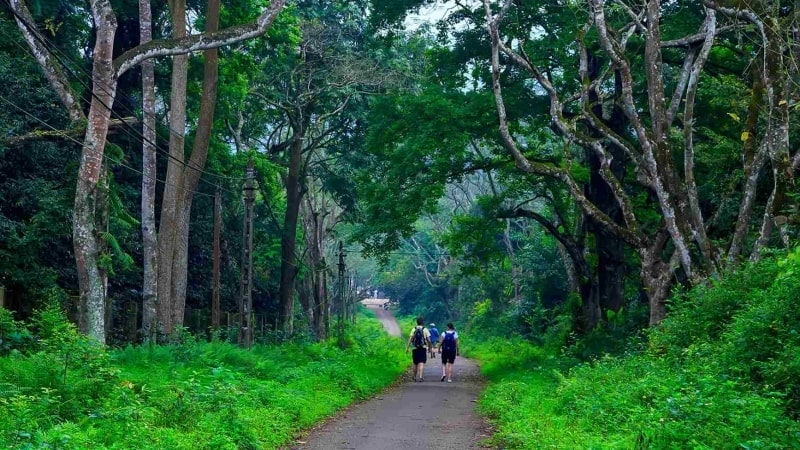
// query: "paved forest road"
[[410, 415]]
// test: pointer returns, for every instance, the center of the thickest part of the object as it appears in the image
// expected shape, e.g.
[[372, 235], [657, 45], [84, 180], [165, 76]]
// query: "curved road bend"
[[409, 415]]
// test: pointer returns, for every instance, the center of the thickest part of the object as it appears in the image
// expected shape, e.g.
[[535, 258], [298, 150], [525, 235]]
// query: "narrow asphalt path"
[[430, 414]]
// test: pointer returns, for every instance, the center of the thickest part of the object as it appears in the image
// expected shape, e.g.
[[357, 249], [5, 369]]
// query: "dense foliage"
[[59, 389], [721, 372], [600, 194]]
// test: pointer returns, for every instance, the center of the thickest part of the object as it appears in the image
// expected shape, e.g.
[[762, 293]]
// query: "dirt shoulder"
[[430, 414]]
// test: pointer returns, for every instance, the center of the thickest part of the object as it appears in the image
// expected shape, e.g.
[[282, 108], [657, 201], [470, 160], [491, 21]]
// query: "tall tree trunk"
[[289, 236], [305, 292], [149, 172], [515, 270], [608, 247], [314, 214], [182, 179], [170, 204], [102, 216], [105, 73], [320, 301], [192, 171], [86, 237]]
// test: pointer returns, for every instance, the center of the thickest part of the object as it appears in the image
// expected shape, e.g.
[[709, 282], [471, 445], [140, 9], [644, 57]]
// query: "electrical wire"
[[82, 145], [69, 64]]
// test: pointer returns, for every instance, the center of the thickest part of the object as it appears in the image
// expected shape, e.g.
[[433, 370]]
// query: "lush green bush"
[[747, 324], [14, 336], [721, 372], [702, 314], [189, 395]]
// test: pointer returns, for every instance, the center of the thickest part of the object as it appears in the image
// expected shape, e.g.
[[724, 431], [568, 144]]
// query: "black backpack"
[[419, 338], [449, 342]]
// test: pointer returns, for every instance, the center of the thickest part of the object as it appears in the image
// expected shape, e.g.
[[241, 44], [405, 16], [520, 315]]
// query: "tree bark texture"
[[289, 234], [609, 248], [193, 170], [86, 237], [315, 214], [150, 329], [170, 205]]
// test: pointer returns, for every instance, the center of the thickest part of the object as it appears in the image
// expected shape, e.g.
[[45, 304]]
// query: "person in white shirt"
[[449, 349], [420, 338]]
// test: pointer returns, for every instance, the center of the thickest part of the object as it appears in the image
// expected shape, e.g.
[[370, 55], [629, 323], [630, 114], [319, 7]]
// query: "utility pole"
[[354, 294], [342, 301], [246, 291], [215, 269]]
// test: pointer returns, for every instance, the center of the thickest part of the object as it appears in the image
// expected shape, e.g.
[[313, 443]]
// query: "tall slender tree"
[[106, 70], [149, 174]]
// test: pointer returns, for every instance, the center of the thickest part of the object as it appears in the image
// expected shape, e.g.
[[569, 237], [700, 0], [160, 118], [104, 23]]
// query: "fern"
[[125, 260]]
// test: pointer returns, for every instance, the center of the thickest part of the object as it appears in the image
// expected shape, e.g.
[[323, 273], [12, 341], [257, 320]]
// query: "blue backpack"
[[434, 334], [449, 342]]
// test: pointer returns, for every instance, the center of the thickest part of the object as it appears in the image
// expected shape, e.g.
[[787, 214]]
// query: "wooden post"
[[2, 296], [246, 297], [342, 302], [215, 274]]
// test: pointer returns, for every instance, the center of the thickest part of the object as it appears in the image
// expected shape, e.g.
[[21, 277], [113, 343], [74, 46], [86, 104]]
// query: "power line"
[[82, 145], [69, 64]]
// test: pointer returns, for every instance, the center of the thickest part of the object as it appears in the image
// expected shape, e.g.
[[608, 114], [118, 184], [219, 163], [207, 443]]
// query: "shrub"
[[14, 336], [762, 344], [702, 314]]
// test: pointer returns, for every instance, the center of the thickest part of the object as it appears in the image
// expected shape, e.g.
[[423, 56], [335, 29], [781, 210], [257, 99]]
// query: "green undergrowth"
[[63, 392], [722, 372]]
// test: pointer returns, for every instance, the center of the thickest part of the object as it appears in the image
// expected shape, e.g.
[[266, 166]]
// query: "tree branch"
[[72, 134], [195, 42], [52, 68]]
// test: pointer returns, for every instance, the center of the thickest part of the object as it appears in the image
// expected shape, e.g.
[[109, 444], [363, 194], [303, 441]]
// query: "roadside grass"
[[633, 402], [722, 372], [191, 395]]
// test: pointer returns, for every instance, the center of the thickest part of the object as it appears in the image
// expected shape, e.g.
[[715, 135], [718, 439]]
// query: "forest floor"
[[430, 414]]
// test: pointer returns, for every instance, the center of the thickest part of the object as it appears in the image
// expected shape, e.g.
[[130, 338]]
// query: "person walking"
[[434, 339], [420, 338], [449, 350]]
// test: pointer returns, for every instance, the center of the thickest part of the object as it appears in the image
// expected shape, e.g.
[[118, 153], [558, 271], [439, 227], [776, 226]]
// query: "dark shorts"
[[419, 355], [448, 356]]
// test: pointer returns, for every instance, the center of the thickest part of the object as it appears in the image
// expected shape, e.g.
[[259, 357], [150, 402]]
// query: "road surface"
[[409, 415]]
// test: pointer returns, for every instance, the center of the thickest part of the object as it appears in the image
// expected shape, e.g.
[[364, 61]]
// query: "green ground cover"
[[722, 372], [60, 391]]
